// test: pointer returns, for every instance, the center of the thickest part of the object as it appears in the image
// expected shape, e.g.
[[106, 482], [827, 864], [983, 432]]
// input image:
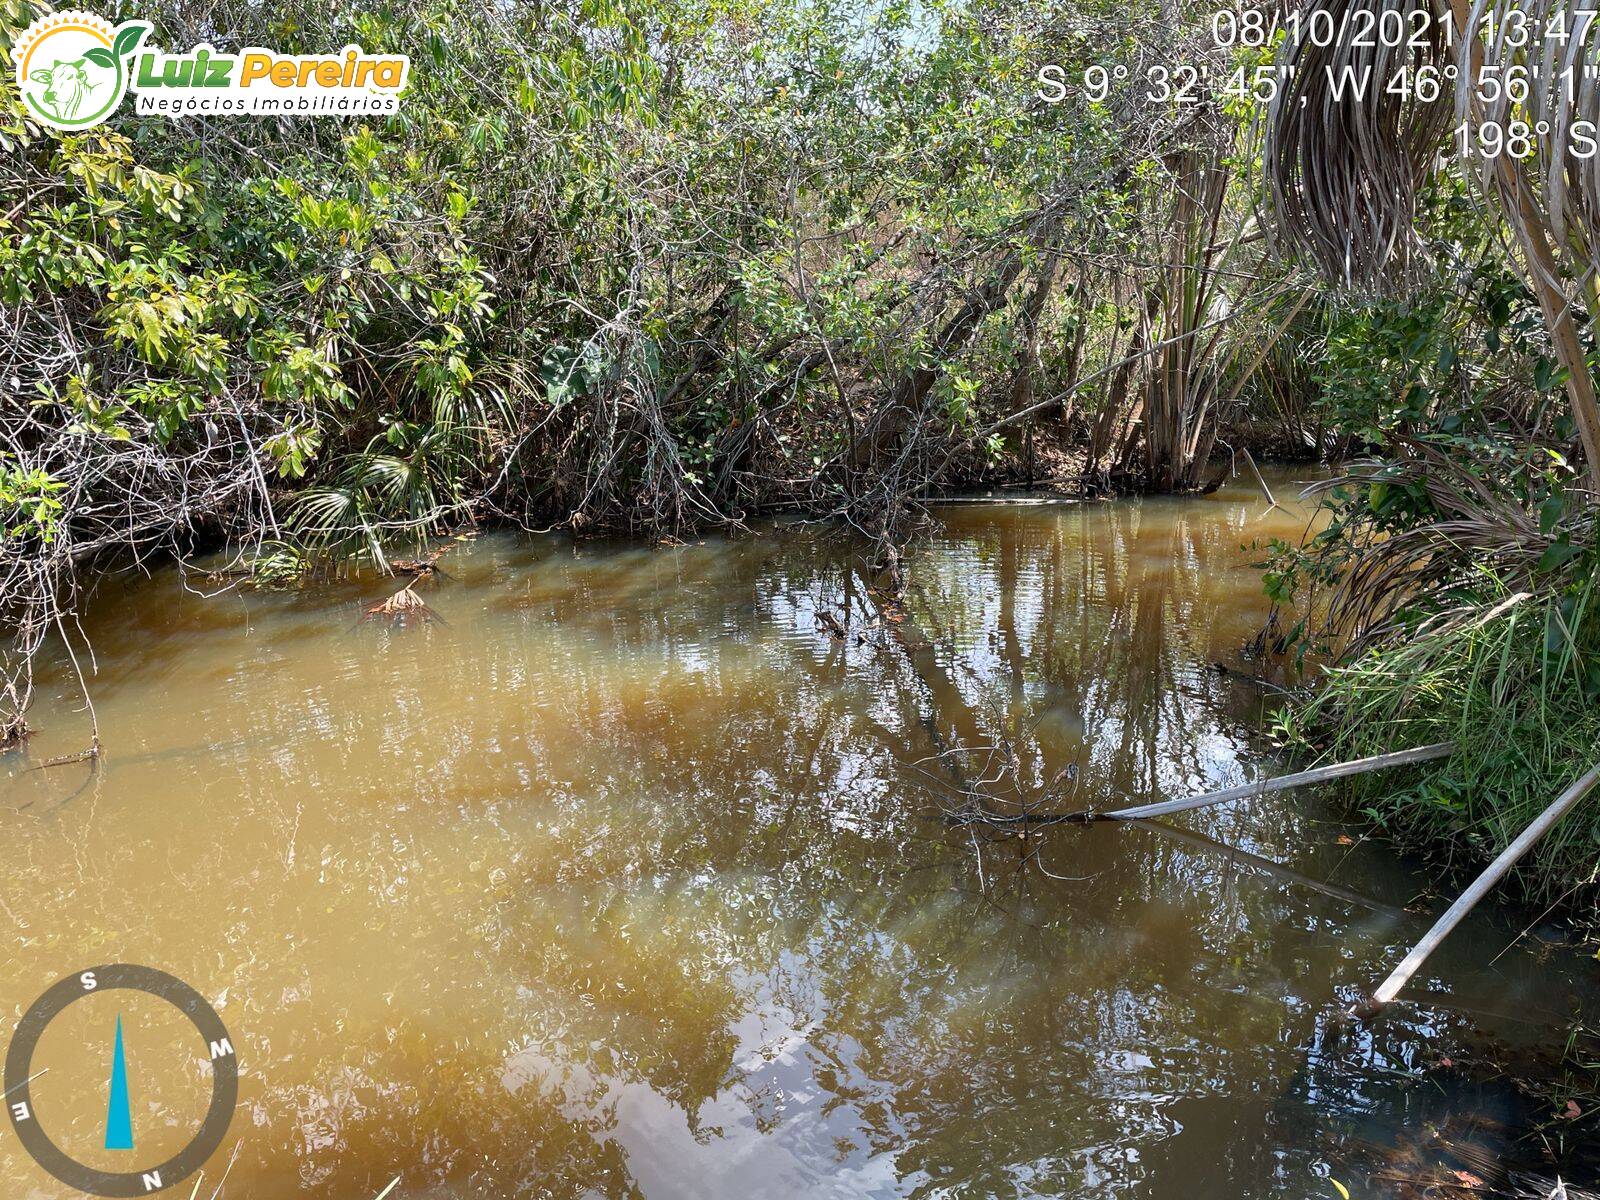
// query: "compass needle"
[[214, 1047], [119, 1115]]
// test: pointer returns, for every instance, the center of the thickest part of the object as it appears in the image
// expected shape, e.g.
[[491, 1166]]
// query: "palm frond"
[[1343, 170]]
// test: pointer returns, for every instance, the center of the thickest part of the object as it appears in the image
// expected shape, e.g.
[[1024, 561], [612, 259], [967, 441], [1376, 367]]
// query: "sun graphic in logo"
[[73, 67]]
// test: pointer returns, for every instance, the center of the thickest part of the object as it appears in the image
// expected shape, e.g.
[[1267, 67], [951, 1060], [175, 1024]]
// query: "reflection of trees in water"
[[730, 933], [1096, 626], [995, 1038]]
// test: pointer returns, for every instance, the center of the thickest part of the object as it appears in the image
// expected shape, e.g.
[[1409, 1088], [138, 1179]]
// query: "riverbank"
[[1460, 610]]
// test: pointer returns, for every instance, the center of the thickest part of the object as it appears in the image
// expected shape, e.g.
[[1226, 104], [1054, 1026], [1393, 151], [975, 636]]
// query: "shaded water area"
[[633, 879]]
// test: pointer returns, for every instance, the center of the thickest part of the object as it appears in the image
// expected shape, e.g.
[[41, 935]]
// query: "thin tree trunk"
[[897, 415]]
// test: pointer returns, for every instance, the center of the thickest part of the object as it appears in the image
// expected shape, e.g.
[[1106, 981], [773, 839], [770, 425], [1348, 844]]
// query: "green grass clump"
[[1514, 680]]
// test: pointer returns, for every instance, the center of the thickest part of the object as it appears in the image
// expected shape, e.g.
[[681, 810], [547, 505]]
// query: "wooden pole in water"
[[1263, 787], [1390, 988], [1272, 501]]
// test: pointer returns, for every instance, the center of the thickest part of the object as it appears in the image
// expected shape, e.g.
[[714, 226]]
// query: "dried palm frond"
[[1477, 532], [1548, 56], [1544, 55], [405, 607], [1343, 171]]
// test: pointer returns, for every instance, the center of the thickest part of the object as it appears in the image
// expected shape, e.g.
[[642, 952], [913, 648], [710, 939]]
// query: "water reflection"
[[632, 880]]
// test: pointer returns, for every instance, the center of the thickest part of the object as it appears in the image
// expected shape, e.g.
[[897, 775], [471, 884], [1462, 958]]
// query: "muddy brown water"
[[632, 880]]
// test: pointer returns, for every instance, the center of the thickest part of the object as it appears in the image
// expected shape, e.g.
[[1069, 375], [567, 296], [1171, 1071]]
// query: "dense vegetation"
[[670, 265]]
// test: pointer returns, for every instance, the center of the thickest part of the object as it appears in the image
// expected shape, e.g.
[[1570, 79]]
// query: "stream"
[[633, 876]]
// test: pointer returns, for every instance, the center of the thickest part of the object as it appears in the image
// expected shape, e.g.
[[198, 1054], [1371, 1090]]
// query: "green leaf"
[[100, 57], [1558, 553], [128, 39]]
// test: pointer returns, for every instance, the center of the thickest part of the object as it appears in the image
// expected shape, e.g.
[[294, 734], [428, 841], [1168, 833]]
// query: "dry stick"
[[1507, 858], [92, 754], [1272, 502], [1243, 791], [1283, 782]]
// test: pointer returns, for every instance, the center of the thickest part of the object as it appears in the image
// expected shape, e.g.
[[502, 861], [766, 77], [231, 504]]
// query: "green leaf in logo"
[[100, 57], [128, 39]]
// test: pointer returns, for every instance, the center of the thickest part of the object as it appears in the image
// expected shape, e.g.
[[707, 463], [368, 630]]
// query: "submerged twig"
[[92, 753], [1267, 867]]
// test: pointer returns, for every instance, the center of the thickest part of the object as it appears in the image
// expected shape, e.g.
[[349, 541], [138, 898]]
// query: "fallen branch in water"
[[1272, 501], [1507, 858], [1359, 766], [92, 754], [1243, 791], [427, 565]]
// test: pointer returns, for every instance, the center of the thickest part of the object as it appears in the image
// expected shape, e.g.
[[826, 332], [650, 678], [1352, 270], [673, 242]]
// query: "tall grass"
[[1513, 678]]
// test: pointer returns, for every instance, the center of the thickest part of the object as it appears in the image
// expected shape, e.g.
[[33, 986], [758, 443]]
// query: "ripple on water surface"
[[629, 880]]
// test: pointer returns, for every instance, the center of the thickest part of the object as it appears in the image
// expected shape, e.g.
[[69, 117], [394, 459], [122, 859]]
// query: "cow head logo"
[[73, 67]]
